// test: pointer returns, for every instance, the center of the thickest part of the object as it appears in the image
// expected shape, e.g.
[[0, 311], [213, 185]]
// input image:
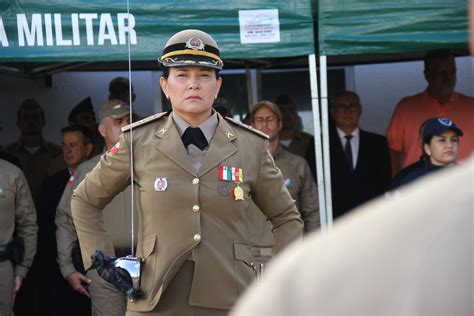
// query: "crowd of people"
[[211, 201]]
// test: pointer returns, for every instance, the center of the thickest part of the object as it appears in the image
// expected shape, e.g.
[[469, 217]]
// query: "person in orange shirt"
[[438, 100]]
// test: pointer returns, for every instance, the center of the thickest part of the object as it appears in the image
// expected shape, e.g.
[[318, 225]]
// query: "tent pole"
[[313, 76], [325, 137]]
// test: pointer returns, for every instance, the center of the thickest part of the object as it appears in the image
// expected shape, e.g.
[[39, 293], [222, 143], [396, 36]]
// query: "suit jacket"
[[370, 178], [182, 211], [53, 187]]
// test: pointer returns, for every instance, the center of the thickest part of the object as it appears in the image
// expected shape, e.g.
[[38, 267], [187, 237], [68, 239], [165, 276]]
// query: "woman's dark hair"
[[424, 141]]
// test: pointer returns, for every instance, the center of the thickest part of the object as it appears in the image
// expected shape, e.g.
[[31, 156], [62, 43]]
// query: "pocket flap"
[[146, 247], [243, 252]]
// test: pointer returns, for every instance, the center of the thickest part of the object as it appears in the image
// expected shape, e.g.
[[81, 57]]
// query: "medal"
[[238, 193], [234, 174]]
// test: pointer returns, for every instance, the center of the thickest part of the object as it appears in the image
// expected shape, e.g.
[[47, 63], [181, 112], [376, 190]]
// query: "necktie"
[[348, 150], [194, 135]]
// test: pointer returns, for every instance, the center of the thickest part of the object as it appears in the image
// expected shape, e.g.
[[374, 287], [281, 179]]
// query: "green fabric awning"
[[80, 30], [349, 27]]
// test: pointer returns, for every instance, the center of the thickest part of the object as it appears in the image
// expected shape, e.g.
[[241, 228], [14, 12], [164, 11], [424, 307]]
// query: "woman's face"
[[191, 91], [443, 149]]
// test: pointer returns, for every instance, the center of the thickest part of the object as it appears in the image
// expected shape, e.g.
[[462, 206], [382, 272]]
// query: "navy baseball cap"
[[436, 126]]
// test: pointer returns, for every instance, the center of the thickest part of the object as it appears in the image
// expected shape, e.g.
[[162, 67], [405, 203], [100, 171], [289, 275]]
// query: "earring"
[[167, 97]]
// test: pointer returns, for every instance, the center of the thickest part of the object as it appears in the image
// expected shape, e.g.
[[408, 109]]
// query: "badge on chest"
[[160, 184], [232, 174]]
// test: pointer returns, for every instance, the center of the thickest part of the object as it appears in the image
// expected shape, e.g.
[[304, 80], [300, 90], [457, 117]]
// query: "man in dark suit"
[[56, 295], [360, 161]]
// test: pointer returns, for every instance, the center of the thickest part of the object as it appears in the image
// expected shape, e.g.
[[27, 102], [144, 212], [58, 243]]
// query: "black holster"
[[16, 250], [76, 257]]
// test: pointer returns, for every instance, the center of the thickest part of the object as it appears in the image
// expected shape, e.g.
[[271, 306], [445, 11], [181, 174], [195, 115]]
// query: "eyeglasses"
[[341, 107]]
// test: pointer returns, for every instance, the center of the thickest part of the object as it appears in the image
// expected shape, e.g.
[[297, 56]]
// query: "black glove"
[[114, 275]]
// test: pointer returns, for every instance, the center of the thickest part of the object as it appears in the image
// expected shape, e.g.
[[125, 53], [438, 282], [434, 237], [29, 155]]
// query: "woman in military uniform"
[[196, 176]]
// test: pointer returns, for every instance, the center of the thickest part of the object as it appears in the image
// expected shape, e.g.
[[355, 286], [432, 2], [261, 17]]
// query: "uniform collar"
[[208, 127], [279, 151]]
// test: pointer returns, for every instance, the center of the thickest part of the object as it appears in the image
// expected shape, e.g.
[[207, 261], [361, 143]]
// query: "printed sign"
[[259, 26]]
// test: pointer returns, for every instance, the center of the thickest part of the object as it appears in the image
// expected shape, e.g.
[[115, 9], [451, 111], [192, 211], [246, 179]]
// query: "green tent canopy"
[[80, 30], [350, 27]]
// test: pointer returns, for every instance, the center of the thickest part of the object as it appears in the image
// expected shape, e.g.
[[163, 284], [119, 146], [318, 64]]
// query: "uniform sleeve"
[[99, 187], [274, 200], [396, 129], [25, 224], [65, 232], [309, 201]]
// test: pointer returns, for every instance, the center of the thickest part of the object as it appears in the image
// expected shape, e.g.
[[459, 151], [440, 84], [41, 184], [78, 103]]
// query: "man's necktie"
[[194, 135], [348, 150]]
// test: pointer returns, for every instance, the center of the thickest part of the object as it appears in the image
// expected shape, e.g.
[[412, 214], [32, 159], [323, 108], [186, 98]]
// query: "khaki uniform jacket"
[[299, 182], [299, 145], [182, 212], [117, 217], [17, 212], [36, 167]]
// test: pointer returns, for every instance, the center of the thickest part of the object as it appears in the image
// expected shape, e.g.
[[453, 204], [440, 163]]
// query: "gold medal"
[[238, 193]]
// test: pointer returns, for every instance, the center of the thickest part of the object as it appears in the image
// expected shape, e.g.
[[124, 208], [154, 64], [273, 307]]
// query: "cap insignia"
[[445, 121], [195, 43]]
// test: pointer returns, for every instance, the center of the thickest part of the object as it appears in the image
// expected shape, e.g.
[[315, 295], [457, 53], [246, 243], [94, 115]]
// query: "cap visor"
[[192, 61]]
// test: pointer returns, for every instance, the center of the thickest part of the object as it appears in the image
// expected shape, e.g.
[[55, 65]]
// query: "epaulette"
[[247, 127], [144, 121]]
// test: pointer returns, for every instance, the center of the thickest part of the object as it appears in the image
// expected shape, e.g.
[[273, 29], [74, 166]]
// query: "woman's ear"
[[164, 87], [427, 149]]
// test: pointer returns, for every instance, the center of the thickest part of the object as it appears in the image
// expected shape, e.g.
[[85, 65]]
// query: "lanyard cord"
[[131, 133]]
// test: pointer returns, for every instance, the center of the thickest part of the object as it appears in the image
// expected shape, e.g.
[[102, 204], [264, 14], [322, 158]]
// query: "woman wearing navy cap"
[[440, 143]]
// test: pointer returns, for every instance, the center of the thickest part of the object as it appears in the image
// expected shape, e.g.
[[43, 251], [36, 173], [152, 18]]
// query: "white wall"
[[67, 90], [381, 86]]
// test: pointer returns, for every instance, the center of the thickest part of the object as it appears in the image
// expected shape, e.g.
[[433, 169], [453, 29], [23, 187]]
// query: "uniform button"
[[197, 237], [196, 208], [195, 181]]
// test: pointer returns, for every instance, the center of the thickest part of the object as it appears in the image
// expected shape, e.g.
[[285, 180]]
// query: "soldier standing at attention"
[[197, 176], [18, 233]]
